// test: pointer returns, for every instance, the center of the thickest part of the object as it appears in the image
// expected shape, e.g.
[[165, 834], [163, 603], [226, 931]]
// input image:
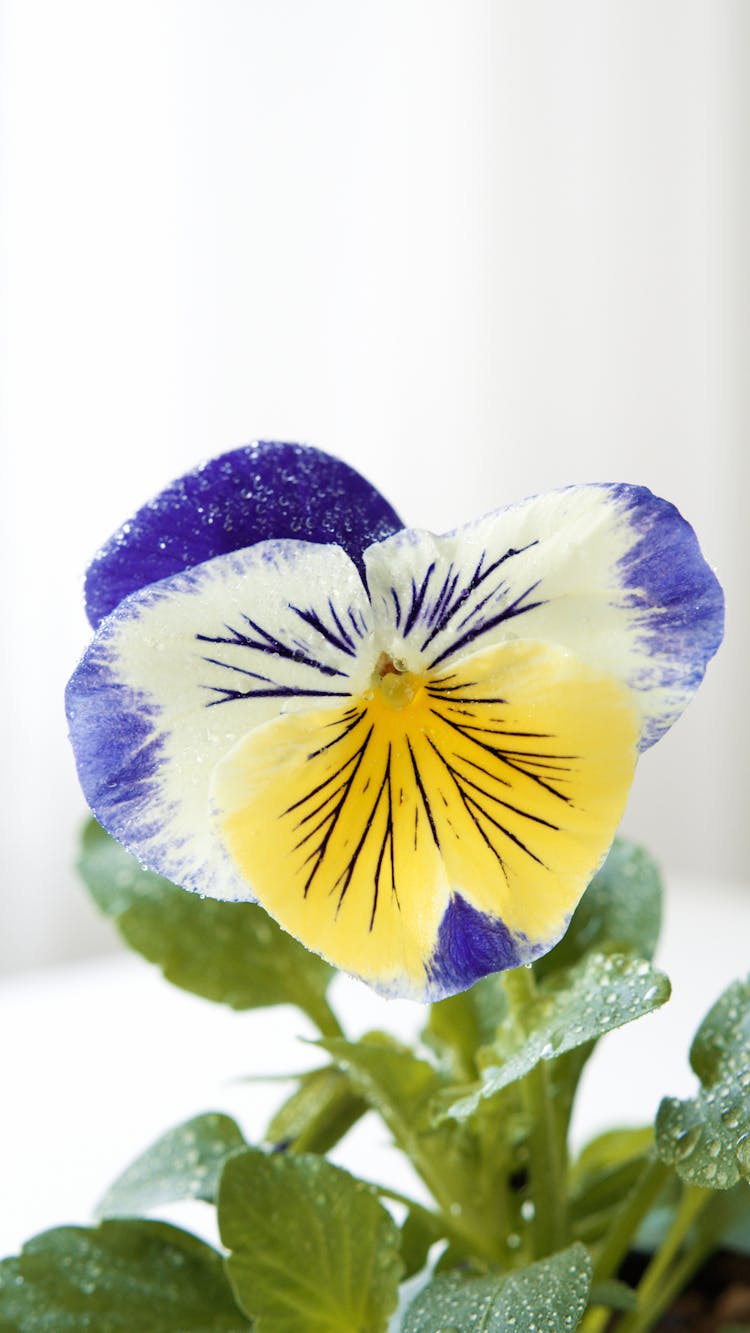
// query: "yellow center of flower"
[[397, 686]]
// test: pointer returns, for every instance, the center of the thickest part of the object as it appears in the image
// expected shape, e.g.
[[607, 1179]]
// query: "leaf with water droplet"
[[571, 1009], [311, 1247], [121, 1277], [706, 1137], [185, 1163], [619, 912], [232, 953], [551, 1294]]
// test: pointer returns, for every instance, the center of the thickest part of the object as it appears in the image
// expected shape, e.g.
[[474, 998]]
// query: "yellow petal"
[[499, 781]]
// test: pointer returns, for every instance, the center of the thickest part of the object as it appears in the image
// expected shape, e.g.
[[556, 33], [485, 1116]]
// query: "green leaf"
[[185, 1163], [549, 1295], [391, 1079], [707, 1137], [122, 1277], [608, 1152], [318, 1114], [603, 1175], [613, 1294], [229, 952], [419, 1232], [573, 1008], [619, 912], [311, 1247]]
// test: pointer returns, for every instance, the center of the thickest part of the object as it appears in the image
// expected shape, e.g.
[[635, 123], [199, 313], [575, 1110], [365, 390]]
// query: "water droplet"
[[686, 1141]]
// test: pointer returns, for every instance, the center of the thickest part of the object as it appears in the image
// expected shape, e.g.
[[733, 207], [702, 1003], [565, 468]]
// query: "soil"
[[717, 1301]]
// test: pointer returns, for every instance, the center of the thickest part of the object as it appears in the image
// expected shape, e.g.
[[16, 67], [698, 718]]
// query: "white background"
[[479, 249]]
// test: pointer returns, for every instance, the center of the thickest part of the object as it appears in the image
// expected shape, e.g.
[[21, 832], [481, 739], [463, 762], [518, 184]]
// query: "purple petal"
[[249, 495]]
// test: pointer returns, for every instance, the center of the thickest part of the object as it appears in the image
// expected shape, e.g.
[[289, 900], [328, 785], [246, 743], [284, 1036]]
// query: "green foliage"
[[391, 1079], [185, 1163], [480, 1107], [318, 1114], [311, 1247], [614, 1295], [549, 1295], [460, 1026], [229, 952], [465, 1174], [620, 911], [604, 1173], [122, 1277], [574, 1007], [419, 1232], [707, 1137]]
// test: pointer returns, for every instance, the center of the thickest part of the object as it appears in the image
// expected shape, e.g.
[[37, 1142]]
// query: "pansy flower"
[[413, 751]]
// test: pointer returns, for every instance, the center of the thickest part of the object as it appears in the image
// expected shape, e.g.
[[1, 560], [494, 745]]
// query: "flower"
[[413, 751]]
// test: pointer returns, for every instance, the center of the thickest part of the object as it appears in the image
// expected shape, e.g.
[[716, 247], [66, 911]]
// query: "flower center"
[[397, 685]]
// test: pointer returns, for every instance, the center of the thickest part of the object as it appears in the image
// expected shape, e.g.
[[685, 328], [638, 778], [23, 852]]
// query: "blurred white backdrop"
[[477, 249]]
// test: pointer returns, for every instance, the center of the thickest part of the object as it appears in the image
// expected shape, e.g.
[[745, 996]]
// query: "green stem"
[[676, 1283], [547, 1169], [637, 1204], [318, 1009], [658, 1285], [546, 1155], [622, 1232]]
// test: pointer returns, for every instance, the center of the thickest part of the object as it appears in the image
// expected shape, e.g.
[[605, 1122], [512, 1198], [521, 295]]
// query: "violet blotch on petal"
[[418, 771]]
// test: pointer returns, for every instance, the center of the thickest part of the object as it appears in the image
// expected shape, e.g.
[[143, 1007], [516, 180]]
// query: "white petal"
[[610, 572], [183, 668]]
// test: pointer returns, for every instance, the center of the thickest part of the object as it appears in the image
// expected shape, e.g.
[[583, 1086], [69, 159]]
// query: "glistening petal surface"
[[610, 572], [184, 668], [260, 492], [436, 827]]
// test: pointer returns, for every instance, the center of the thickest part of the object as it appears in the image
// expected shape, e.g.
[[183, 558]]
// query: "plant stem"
[[658, 1285], [546, 1157], [318, 1009], [622, 1233], [675, 1283], [441, 1222], [445, 1225]]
